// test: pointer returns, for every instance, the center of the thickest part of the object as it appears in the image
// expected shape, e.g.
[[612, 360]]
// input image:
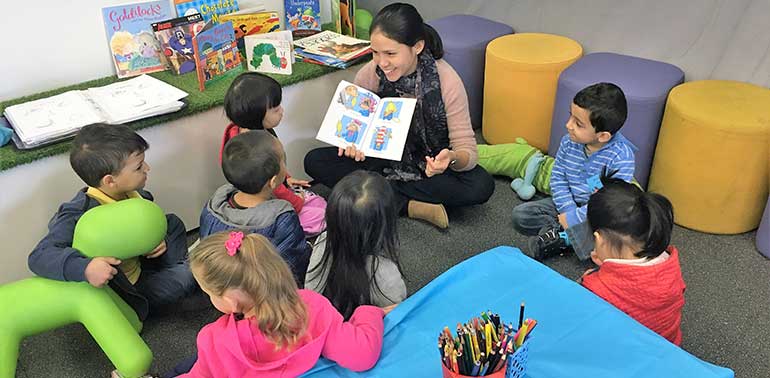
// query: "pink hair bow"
[[234, 242]]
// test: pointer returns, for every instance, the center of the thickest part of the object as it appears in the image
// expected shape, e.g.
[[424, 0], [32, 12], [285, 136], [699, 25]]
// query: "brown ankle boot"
[[430, 212]]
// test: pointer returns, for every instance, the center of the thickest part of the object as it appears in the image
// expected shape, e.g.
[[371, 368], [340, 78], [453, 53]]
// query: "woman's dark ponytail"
[[433, 42]]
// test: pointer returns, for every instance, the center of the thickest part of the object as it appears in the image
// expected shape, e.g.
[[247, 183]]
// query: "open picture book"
[[42, 121], [376, 126]]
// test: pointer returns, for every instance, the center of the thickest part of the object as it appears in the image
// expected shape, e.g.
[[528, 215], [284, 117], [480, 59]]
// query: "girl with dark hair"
[[438, 167], [356, 261], [638, 270], [253, 102]]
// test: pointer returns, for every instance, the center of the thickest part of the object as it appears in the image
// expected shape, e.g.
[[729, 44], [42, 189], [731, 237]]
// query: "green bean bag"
[[123, 229], [530, 169]]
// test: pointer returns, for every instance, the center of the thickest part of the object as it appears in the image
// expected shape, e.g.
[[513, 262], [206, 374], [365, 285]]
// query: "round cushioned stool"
[[712, 155], [520, 85], [465, 39], [645, 83], [763, 233]]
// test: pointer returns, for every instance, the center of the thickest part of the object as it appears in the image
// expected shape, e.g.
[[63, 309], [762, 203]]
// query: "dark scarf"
[[428, 133]]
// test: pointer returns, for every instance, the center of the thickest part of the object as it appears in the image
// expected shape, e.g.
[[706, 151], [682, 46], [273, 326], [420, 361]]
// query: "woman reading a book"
[[438, 166]]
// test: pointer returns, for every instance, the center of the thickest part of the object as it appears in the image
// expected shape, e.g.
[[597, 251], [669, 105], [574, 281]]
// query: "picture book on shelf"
[[175, 37], [347, 17], [334, 45], [303, 17], [216, 53], [132, 42], [269, 53], [251, 22], [376, 126], [50, 119], [211, 10], [335, 14]]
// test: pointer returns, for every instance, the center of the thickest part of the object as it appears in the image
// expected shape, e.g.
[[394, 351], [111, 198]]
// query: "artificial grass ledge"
[[197, 102]]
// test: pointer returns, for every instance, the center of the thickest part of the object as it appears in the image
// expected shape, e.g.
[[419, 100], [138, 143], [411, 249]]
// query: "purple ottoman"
[[763, 232], [646, 84], [465, 39]]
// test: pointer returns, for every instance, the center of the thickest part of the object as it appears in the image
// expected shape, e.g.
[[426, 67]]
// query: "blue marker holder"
[[516, 366]]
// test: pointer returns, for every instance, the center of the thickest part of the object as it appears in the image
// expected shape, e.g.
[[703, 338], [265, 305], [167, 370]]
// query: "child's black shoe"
[[546, 244]]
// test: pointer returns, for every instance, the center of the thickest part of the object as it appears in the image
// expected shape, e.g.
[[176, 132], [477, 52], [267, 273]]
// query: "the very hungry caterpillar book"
[[376, 126], [132, 42], [269, 52]]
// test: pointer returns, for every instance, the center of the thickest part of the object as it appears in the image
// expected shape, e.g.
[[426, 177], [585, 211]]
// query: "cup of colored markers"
[[485, 347]]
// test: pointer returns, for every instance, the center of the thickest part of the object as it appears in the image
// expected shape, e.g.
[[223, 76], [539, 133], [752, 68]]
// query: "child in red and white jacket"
[[253, 102], [639, 271]]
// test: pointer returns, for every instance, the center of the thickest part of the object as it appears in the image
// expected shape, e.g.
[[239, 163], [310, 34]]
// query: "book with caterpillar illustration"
[[376, 126], [269, 52]]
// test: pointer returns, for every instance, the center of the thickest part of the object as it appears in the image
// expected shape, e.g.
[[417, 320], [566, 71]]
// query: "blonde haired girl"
[[269, 327]]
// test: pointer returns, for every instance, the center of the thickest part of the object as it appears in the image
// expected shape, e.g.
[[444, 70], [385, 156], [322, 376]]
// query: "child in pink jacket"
[[270, 328]]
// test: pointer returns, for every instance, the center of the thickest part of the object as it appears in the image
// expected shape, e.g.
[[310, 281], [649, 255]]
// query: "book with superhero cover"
[[269, 53], [303, 17], [250, 22], [211, 10], [216, 53], [376, 126], [175, 37], [333, 45], [134, 49]]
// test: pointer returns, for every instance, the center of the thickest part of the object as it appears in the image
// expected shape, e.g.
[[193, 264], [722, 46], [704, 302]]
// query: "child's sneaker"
[[546, 244]]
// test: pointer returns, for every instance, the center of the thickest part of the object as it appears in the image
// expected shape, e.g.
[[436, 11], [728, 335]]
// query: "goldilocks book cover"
[[134, 49]]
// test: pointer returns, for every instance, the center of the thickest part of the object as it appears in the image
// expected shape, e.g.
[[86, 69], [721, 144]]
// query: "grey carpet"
[[725, 319]]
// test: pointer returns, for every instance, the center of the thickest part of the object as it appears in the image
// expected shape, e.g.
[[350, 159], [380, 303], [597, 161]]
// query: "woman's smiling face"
[[394, 59]]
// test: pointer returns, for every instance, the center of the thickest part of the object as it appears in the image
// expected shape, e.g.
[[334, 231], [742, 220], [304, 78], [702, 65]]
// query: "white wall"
[[708, 39], [58, 43]]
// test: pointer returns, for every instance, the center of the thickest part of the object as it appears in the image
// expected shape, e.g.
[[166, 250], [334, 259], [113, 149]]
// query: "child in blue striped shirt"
[[592, 148]]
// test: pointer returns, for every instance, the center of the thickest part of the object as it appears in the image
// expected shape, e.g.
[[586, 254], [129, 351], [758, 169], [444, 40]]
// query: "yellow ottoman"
[[712, 155], [520, 86]]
